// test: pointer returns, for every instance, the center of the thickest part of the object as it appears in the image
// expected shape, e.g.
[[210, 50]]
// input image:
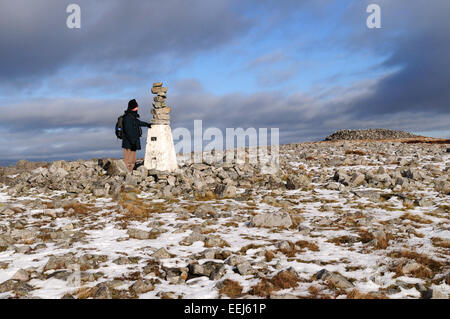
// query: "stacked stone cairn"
[[160, 111]]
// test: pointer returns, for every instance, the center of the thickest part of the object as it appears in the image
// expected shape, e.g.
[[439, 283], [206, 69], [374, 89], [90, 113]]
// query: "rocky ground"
[[343, 219]]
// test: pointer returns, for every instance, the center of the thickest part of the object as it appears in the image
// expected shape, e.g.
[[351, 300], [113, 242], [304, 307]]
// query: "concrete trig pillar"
[[160, 150]]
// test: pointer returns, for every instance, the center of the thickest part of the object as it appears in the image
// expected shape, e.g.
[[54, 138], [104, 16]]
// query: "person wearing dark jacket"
[[131, 134]]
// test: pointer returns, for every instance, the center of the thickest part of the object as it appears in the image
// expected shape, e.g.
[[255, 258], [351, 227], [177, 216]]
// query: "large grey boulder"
[[341, 177], [357, 179], [117, 167], [370, 194], [138, 234], [204, 211], [142, 286], [161, 253], [225, 191], [192, 238], [442, 186], [335, 279], [21, 275], [296, 182], [269, 220]]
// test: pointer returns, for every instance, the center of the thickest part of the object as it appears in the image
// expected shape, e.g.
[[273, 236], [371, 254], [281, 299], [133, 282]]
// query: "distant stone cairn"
[[368, 134]]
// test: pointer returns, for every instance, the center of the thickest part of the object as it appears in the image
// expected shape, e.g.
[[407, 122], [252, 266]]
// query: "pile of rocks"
[[365, 166], [160, 111], [369, 134], [103, 177]]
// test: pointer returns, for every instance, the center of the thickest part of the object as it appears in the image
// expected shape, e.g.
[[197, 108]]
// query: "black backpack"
[[119, 127]]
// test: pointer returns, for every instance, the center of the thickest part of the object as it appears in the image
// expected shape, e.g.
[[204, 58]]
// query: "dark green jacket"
[[132, 131]]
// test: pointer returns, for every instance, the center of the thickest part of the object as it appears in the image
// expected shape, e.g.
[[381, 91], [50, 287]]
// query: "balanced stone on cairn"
[[161, 112], [160, 151]]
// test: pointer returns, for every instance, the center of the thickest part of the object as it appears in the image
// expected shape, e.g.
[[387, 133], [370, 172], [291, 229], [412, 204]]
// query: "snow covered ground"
[[386, 247]]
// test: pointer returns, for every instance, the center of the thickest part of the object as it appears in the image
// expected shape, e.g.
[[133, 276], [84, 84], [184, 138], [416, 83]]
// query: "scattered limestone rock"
[[335, 279], [193, 237], [138, 234], [389, 175], [438, 294], [21, 275], [225, 191], [8, 285], [271, 220], [117, 167], [411, 266], [161, 253], [211, 269], [205, 211], [142, 286], [296, 182]]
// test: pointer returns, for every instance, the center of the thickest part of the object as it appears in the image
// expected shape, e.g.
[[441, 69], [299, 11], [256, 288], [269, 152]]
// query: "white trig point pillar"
[[160, 151]]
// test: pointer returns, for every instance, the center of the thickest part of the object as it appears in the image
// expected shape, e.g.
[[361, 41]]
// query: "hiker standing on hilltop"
[[132, 132]]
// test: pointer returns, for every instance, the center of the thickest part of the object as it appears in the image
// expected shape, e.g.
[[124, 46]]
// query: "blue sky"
[[307, 67]]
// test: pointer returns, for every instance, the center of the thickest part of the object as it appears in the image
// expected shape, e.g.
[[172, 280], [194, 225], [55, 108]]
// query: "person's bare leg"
[[132, 159], [127, 158]]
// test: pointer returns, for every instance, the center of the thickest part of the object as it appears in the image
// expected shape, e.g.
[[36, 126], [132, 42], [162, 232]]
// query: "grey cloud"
[[412, 94], [48, 114], [182, 86], [415, 38], [276, 76], [268, 58], [120, 35], [63, 144], [87, 131]]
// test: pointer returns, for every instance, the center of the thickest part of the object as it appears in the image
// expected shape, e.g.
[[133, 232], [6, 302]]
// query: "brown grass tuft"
[[83, 293], [383, 243], [206, 196], [289, 252], [285, 279], [355, 152], [415, 218], [49, 205], [78, 208], [431, 266], [269, 255], [307, 244], [231, 288], [262, 289], [244, 249], [439, 242], [422, 272], [356, 294], [423, 259], [434, 141], [340, 240], [231, 224], [417, 234], [208, 231], [365, 236], [314, 292], [296, 220]]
